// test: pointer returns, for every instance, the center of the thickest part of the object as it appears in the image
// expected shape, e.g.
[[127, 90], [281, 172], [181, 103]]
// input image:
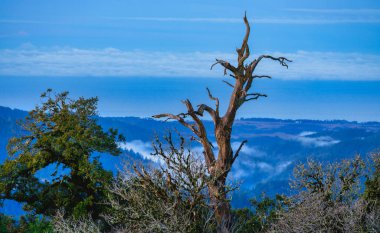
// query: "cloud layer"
[[258, 20], [246, 168], [32, 61], [282, 16], [306, 139], [251, 161], [142, 148]]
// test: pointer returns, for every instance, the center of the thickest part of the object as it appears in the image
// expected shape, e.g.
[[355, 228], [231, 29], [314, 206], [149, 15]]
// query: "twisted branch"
[[216, 102], [243, 52], [281, 60], [255, 96], [229, 84], [238, 150], [226, 65], [261, 76]]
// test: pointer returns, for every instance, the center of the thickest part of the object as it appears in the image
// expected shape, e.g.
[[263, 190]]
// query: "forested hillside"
[[274, 146]]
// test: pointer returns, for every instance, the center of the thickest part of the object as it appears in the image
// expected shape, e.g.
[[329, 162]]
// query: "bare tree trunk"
[[221, 207], [219, 167]]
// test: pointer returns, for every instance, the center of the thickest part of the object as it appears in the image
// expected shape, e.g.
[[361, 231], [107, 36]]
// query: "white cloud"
[[274, 169], [248, 168], [320, 141], [266, 167], [178, 19], [248, 150], [32, 61], [140, 147], [363, 19], [302, 20], [331, 16], [239, 173], [18, 21], [145, 149], [17, 34], [251, 152], [282, 166], [306, 133], [327, 65], [292, 16], [365, 11], [243, 168]]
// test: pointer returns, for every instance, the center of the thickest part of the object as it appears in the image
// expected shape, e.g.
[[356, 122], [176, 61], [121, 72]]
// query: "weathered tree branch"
[[180, 118], [216, 103], [226, 65], [243, 52], [229, 84], [261, 76], [281, 60], [238, 150], [255, 96], [209, 154]]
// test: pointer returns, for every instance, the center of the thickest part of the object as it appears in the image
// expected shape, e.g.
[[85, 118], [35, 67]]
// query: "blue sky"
[[335, 46]]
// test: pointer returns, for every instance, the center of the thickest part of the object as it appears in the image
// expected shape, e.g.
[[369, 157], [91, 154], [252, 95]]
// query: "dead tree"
[[218, 167]]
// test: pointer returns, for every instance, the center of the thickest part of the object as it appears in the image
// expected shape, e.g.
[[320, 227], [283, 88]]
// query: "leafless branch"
[[216, 102], [255, 96], [261, 76], [226, 65], [244, 52], [281, 60], [233, 76], [180, 118], [239, 149], [229, 84]]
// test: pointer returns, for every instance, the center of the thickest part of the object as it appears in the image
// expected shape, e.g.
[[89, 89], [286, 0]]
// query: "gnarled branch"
[[238, 150], [255, 96], [226, 65], [229, 84], [180, 118], [243, 52], [261, 76], [216, 102], [282, 60]]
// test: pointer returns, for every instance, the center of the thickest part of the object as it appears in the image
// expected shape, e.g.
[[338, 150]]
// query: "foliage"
[[61, 132], [261, 215], [372, 191], [34, 224], [328, 199], [338, 182], [171, 198], [7, 224], [83, 224], [26, 224]]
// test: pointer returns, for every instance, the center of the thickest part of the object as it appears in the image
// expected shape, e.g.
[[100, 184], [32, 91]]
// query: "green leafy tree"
[[34, 224], [7, 224], [26, 224], [64, 133], [261, 215], [372, 190]]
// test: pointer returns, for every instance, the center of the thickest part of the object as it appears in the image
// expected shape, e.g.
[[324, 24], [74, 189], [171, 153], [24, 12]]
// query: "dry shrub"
[[328, 199]]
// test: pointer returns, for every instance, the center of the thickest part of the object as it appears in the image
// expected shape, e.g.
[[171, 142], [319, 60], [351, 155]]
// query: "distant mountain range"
[[265, 164]]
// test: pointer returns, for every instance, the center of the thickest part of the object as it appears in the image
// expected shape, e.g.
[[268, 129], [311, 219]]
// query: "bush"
[[328, 199]]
